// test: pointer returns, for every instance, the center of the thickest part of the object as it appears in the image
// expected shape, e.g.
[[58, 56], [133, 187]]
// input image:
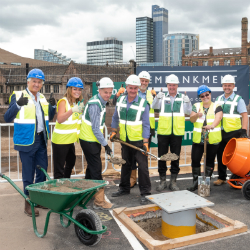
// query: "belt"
[[40, 133]]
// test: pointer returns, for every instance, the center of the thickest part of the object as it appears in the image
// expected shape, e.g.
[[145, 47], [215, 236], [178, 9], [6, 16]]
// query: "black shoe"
[[144, 201], [119, 193]]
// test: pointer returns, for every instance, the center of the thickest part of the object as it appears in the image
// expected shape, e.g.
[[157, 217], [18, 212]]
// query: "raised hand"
[[22, 101]]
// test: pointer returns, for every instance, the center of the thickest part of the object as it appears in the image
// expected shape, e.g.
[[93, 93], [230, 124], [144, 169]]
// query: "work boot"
[[143, 201], [133, 178], [219, 182], [173, 186], [28, 211], [100, 202], [209, 172], [196, 172], [163, 183]]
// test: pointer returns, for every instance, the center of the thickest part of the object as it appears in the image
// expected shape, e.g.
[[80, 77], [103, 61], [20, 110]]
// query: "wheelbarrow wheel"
[[246, 190], [90, 220], [236, 183]]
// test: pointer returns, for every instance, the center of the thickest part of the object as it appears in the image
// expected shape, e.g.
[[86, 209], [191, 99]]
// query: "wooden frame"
[[233, 227]]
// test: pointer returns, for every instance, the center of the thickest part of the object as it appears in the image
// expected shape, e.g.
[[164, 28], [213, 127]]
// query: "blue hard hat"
[[203, 89], [75, 82], [36, 73]]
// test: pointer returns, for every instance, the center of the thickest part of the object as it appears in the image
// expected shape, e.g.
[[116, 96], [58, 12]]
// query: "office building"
[[51, 56], [109, 51], [144, 40], [160, 28], [173, 45]]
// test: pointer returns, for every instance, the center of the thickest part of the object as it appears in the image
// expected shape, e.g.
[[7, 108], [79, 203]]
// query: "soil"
[[70, 187], [116, 160], [203, 190], [169, 157], [153, 227]]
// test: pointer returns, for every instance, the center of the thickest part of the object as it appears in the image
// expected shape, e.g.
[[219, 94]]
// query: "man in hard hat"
[[92, 139], [31, 114], [144, 93], [171, 127], [234, 108], [132, 115]]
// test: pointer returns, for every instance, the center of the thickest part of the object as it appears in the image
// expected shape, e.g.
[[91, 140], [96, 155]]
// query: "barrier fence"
[[18, 177]]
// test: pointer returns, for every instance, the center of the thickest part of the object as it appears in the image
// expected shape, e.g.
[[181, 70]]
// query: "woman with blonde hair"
[[67, 128]]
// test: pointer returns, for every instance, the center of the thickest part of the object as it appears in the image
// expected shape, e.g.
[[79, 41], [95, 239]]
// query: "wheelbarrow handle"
[[44, 171]]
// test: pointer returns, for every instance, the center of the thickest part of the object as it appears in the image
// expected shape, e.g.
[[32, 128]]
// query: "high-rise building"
[[160, 28], [173, 45], [51, 56], [144, 40], [102, 52]]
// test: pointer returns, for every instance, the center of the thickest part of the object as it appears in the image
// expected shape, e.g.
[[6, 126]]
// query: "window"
[[17, 88], [205, 63], [195, 63], [238, 62], [11, 89], [226, 62], [216, 63], [24, 87], [1, 89], [47, 88], [56, 88], [41, 90]]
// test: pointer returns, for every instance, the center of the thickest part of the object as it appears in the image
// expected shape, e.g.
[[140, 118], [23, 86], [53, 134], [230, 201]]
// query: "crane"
[[133, 51]]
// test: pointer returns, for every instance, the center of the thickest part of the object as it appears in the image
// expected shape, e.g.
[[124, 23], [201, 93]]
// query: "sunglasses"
[[206, 95]]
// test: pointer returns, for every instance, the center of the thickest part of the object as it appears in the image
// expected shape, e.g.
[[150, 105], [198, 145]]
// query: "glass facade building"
[[160, 28], [51, 56], [100, 52], [173, 45], [144, 40]]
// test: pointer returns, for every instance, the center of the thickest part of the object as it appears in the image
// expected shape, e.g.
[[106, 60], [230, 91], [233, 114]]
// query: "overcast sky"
[[67, 25]]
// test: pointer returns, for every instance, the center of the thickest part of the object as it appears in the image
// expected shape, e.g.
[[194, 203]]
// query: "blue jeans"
[[36, 156]]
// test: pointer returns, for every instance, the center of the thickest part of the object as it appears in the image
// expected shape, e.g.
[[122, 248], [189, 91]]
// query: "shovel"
[[203, 181], [139, 149]]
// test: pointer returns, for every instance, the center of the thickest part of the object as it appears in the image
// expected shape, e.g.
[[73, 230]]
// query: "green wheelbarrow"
[[88, 226]]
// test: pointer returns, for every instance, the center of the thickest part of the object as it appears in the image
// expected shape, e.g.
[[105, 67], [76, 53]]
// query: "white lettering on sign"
[[158, 79], [195, 79], [114, 91], [188, 135], [205, 79], [215, 79], [185, 79]]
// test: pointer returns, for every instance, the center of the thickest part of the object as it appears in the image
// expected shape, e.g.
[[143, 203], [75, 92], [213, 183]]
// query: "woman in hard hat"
[[205, 115], [65, 134]]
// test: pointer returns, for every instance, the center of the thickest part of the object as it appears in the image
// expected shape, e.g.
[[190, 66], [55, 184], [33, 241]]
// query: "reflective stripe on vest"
[[66, 132], [130, 121], [231, 118], [214, 135], [149, 98], [169, 117], [25, 121], [86, 132]]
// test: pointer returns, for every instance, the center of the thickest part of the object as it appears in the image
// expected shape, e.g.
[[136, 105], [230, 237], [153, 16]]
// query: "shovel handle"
[[129, 145], [1, 175]]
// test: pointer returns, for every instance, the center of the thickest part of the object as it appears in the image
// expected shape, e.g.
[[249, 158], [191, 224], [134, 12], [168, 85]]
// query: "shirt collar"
[[135, 100], [102, 101], [32, 96], [177, 94], [142, 92], [231, 96]]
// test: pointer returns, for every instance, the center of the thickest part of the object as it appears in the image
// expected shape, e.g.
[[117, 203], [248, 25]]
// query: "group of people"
[[134, 115]]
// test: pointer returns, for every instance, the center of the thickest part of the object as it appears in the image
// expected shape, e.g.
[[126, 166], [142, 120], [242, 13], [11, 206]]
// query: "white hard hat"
[[144, 74], [133, 80], [172, 79], [106, 82], [228, 79]]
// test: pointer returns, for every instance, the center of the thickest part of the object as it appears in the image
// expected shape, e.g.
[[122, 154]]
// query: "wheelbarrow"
[[236, 157], [88, 226]]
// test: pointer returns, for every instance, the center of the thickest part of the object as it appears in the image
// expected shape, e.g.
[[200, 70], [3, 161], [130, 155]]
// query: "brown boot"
[[100, 202], [133, 178], [27, 209]]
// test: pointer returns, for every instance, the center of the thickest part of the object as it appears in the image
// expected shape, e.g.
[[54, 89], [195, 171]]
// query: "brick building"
[[224, 56]]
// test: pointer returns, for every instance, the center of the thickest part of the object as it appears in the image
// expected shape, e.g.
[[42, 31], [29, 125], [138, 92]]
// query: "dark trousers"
[[197, 153], [222, 169], [134, 163], [63, 154], [92, 152], [130, 155], [164, 141], [36, 156]]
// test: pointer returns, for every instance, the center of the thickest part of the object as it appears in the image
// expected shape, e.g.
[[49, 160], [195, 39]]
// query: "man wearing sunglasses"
[[234, 108], [171, 127]]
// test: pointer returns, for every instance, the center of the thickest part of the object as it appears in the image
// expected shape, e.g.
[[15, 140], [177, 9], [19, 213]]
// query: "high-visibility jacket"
[[171, 121], [25, 121], [149, 98], [67, 132], [214, 135], [130, 122], [86, 132], [231, 118]]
